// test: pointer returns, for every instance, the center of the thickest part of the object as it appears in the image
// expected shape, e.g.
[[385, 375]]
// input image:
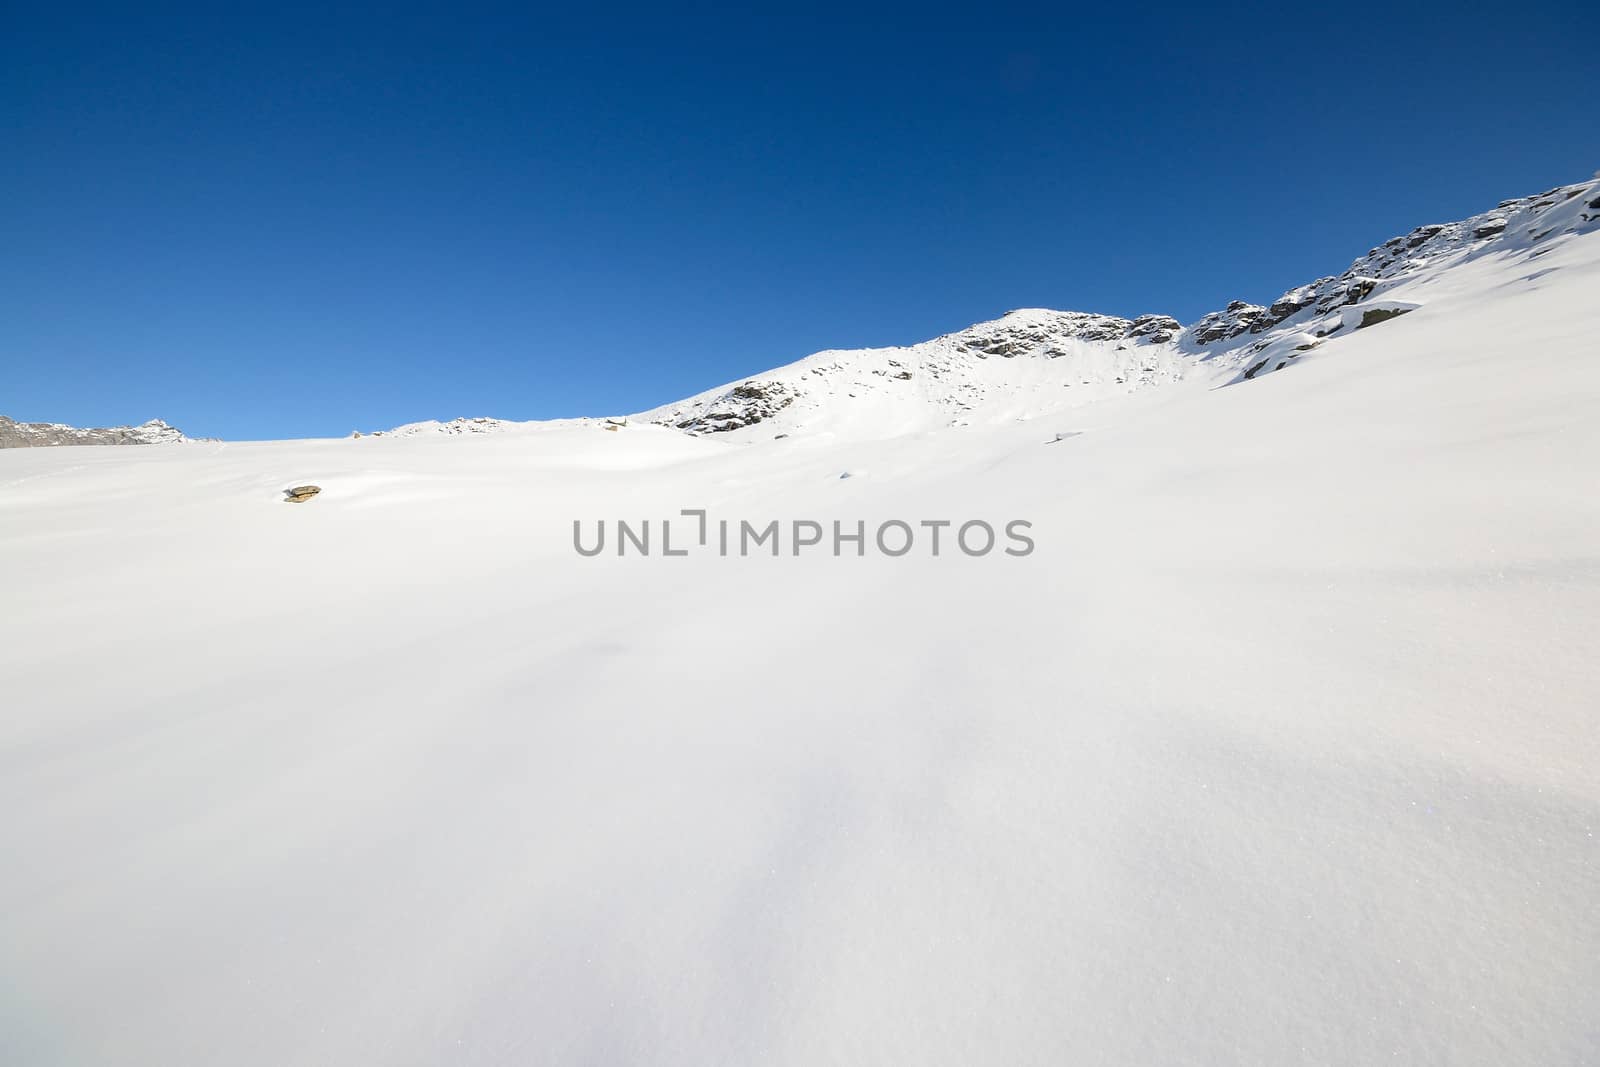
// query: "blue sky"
[[302, 221]]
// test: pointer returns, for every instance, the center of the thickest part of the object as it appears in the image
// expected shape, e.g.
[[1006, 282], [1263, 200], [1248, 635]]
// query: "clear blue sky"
[[303, 221]]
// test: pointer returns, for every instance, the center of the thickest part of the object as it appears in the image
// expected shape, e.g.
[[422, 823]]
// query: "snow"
[[459, 426], [1280, 748]]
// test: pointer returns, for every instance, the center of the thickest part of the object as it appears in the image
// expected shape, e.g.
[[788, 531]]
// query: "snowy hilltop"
[[471, 427], [15, 434], [1035, 361]]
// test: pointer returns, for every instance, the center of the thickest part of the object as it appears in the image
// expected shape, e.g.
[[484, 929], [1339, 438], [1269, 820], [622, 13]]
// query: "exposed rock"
[[1157, 329], [1237, 318], [1290, 303], [743, 405], [1032, 332], [1373, 316], [1422, 234], [1341, 292], [301, 493], [1359, 289]]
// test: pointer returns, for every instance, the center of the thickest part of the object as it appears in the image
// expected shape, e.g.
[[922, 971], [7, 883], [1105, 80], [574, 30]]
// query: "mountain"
[[1033, 361], [35, 434], [470, 427], [1279, 747]]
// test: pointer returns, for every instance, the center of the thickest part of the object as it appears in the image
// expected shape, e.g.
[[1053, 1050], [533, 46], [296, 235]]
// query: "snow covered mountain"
[[1280, 748], [1033, 362], [465, 427], [34, 434]]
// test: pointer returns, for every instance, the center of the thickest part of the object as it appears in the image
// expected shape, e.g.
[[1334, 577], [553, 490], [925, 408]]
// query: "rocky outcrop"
[[1039, 333], [744, 405], [1373, 316], [1322, 295], [1156, 329], [301, 493], [1518, 219], [1235, 319], [36, 434]]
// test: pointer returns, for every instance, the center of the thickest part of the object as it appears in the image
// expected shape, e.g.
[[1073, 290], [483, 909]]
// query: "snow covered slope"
[[459, 427], [1280, 747], [33, 434], [1028, 363], [1033, 362]]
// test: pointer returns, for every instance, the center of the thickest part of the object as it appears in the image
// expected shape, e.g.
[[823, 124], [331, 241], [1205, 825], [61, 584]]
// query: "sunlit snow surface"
[[1282, 747]]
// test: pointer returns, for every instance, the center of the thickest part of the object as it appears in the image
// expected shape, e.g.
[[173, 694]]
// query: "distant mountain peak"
[[15, 434]]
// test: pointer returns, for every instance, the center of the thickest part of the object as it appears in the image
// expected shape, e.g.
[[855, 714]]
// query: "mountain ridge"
[[14, 434], [1067, 358], [1117, 355], [950, 381]]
